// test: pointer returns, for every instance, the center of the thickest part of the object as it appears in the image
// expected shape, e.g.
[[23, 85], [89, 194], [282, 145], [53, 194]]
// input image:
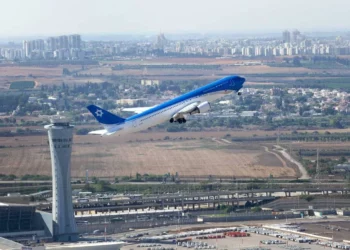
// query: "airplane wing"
[[136, 110], [188, 109], [193, 108]]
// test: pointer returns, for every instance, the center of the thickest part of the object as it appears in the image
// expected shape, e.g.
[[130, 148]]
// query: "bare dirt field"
[[340, 230], [146, 136], [53, 75], [182, 60], [110, 157], [67, 80], [36, 71], [226, 70]]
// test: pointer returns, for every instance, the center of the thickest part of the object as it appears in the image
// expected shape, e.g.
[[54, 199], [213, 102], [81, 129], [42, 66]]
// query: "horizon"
[[52, 17], [150, 35]]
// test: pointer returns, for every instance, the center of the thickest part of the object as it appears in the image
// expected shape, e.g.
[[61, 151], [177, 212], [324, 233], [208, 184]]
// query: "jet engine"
[[201, 108]]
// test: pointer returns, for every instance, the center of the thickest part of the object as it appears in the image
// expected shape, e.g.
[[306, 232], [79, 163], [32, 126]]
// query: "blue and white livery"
[[175, 110]]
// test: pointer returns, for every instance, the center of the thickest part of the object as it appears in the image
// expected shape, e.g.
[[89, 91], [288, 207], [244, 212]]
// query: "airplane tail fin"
[[103, 116]]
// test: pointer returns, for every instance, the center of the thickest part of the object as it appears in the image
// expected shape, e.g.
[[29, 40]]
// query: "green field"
[[22, 85]]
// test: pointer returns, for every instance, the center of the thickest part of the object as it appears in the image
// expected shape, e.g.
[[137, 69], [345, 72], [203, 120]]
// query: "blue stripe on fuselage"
[[228, 83]]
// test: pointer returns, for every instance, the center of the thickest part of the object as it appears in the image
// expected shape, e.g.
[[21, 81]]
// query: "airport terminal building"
[[22, 227], [24, 223]]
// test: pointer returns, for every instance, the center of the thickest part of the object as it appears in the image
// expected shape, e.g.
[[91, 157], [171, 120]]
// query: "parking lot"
[[251, 242], [255, 238]]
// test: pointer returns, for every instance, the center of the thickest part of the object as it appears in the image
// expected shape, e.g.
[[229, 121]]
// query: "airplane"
[[175, 110]]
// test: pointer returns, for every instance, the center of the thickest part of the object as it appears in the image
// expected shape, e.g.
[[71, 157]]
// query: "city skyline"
[[45, 18]]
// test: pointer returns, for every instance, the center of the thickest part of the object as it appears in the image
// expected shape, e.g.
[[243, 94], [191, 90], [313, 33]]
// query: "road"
[[283, 151]]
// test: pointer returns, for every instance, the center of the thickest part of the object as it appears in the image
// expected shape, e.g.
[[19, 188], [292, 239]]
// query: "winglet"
[[103, 116]]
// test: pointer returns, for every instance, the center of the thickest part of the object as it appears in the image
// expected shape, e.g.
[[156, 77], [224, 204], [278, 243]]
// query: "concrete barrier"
[[119, 227], [248, 217], [298, 233]]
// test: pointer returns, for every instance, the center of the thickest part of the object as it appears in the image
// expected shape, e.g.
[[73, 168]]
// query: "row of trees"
[[26, 177]]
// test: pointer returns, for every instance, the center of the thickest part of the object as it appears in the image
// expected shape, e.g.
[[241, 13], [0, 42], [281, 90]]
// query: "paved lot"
[[237, 243]]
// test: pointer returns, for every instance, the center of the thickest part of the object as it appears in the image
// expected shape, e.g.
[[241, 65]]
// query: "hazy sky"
[[51, 17]]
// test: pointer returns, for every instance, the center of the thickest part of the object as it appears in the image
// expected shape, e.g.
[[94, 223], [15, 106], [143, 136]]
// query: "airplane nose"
[[240, 80]]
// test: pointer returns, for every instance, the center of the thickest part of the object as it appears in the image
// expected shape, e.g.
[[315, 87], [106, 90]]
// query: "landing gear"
[[180, 120]]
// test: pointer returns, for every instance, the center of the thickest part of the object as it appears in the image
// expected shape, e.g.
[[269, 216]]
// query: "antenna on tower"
[[145, 71]]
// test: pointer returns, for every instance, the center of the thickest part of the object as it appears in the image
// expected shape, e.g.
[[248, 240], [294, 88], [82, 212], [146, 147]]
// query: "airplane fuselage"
[[153, 119]]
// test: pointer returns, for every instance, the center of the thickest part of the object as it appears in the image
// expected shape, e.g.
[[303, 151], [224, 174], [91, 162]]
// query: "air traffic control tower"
[[60, 139]]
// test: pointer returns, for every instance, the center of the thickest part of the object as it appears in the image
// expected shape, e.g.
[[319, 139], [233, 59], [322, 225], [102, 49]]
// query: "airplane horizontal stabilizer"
[[102, 132], [98, 132]]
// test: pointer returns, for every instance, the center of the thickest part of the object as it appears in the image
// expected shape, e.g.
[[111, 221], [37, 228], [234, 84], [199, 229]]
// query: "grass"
[[22, 85], [97, 155], [164, 145]]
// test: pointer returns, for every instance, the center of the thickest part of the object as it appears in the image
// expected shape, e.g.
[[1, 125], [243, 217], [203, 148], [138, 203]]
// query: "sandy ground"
[[108, 158], [36, 71]]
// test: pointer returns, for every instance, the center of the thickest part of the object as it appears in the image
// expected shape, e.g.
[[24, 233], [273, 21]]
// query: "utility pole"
[[317, 177]]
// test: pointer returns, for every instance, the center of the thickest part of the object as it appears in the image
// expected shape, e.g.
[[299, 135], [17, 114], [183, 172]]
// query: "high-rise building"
[[179, 47], [247, 51], [60, 138], [161, 41], [51, 44], [276, 51], [259, 51], [27, 48], [286, 36], [283, 51], [38, 44], [295, 36], [63, 42], [74, 41]]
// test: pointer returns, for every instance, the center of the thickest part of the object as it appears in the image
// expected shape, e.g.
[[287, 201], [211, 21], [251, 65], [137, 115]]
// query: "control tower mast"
[[60, 138]]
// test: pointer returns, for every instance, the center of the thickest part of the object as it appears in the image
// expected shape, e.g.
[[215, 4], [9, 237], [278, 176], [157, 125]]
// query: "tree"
[[296, 61], [336, 122], [256, 209], [342, 160], [65, 71], [286, 59], [94, 179], [103, 186], [308, 198]]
